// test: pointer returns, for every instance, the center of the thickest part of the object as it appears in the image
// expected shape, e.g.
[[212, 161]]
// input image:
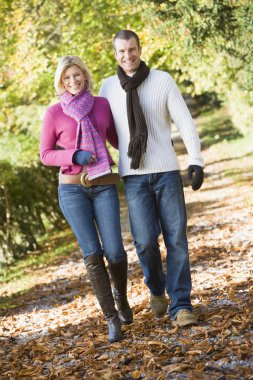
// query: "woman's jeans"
[[93, 214], [156, 204]]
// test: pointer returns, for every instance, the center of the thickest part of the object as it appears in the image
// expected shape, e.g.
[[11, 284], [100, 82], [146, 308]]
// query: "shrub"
[[28, 204]]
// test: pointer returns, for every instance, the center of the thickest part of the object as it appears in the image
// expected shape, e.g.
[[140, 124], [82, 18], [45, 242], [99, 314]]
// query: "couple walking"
[[133, 111]]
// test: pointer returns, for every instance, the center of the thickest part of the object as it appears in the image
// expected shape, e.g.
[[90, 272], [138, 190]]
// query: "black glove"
[[196, 176], [82, 157]]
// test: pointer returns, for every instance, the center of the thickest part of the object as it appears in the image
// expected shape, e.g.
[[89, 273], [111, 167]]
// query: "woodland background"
[[51, 327]]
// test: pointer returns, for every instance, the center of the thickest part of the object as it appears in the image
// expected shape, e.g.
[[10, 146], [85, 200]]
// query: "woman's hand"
[[82, 157]]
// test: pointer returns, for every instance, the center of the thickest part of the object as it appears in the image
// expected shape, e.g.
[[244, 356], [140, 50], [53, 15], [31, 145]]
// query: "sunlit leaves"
[[45, 30], [208, 43]]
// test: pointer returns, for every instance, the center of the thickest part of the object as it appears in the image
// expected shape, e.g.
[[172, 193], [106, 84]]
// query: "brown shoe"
[[185, 318], [159, 305]]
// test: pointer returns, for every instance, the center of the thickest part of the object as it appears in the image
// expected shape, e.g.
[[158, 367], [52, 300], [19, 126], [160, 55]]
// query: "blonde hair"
[[65, 63]]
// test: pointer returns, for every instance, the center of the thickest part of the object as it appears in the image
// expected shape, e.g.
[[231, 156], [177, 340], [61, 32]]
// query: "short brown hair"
[[125, 35]]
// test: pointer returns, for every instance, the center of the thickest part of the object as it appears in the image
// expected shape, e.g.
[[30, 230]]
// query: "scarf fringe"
[[136, 148]]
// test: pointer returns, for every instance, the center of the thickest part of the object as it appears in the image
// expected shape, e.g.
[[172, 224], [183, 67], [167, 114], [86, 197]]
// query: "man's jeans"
[[92, 212], [156, 204]]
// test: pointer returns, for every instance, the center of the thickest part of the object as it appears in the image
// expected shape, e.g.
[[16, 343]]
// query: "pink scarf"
[[78, 107]]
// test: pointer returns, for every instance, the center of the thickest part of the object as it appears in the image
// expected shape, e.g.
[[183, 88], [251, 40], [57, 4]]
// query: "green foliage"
[[207, 43], [240, 106], [45, 30], [28, 201]]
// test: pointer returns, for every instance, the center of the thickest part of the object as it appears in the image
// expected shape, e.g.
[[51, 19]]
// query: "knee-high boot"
[[101, 286], [118, 274]]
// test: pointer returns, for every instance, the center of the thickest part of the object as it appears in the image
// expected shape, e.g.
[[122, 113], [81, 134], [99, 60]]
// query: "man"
[[144, 102]]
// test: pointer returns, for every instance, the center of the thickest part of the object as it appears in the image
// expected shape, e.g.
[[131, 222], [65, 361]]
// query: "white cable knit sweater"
[[161, 102]]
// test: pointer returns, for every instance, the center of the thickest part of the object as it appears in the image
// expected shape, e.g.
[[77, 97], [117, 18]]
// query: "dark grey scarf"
[[136, 120]]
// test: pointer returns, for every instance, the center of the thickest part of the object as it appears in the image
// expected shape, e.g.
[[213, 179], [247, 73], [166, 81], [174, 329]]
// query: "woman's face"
[[73, 80]]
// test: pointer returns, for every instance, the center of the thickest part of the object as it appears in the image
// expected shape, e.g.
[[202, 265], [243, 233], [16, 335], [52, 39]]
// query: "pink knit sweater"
[[59, 135]]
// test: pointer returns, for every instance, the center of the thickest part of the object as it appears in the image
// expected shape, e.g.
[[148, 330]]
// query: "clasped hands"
[[195, 172], [196, 176], [82, 157]]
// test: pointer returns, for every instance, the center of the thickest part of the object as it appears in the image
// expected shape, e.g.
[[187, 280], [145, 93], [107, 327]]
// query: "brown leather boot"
[[118, 274], [101, 286]]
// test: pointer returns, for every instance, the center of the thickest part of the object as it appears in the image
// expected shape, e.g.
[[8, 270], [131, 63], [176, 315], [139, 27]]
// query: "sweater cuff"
[[196, 161], [77, 150]]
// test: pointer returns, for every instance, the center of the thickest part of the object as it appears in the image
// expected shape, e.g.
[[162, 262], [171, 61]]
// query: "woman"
[[73, 137]]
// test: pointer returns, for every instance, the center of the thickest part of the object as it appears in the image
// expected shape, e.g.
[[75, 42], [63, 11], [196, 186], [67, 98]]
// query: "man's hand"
[[196, 176], [82, 157]]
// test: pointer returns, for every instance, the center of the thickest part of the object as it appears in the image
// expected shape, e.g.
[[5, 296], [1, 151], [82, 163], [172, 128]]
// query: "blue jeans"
[[93, 214], [156, 204]]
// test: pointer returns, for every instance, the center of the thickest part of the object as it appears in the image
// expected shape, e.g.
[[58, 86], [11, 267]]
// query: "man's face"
[[128, 54]]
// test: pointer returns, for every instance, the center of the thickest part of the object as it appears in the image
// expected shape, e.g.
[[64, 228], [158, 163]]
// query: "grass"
[[48, 255], [219, 134], [23, 274], [215, 127], [226, 143]]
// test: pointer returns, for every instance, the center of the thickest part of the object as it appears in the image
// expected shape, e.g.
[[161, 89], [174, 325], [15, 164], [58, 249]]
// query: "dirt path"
[[57, 331]]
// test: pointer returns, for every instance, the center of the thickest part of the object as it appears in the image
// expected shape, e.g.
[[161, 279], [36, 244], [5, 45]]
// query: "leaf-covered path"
[[57, 330]]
